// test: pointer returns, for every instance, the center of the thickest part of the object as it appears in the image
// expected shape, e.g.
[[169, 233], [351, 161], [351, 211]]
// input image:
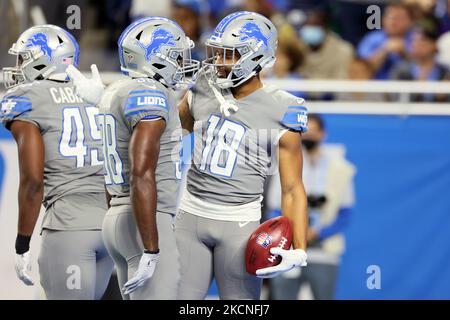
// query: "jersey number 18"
[[222, 155]]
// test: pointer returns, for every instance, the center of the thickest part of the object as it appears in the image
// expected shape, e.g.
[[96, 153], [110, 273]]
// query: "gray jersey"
[[233, 155], [124, 104], [74, 195]]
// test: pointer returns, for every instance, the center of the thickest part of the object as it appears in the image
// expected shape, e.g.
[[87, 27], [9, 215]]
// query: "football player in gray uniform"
[[241, 127], [60, 161], [141, 140]]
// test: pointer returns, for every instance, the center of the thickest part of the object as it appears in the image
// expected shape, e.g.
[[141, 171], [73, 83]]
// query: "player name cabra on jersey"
[[64, 95]]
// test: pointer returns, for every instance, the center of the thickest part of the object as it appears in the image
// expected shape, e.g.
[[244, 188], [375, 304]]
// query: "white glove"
[[289, 259], [90, 90], [145, 271], [23, 268], [228, 106]]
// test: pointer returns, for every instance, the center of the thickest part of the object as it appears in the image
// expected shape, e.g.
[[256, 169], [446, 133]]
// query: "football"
[[276, 232]]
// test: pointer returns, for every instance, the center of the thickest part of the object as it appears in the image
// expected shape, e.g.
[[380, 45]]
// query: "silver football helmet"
[[157, 47], [42, 51], [248, 40]]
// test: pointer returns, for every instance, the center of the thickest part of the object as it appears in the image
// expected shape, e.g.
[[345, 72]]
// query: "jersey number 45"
[[72, 143]]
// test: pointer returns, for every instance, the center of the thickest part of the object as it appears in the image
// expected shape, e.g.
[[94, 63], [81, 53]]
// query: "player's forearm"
[[31, 192], [144, 199], [187, 121], [294, 206], [108, 198], [30, 147]]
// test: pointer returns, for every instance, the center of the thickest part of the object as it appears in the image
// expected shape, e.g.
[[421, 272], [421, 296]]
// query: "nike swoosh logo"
[[241, 224]]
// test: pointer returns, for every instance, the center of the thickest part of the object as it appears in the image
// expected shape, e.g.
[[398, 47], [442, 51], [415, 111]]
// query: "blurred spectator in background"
[[327, 56], [360, 70], [443, 45], [421, 8], [275, 10], [307, 5], [10, 24], [56, 13], [141, 9], [443, 14], [188, 14], [118, 18], [328, 180], [351, 18], [290, 55], [387, 47], [423, 65], [217, 9], [265, 7]]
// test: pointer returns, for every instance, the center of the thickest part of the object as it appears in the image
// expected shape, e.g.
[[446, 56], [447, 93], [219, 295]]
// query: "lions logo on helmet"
[[252, 30], [157, 47], [40, 40], [252, 36], [160, 37], [57, 49]]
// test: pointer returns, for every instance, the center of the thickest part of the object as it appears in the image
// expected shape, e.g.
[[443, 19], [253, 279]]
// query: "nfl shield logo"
[[8, 105], [264, 240]]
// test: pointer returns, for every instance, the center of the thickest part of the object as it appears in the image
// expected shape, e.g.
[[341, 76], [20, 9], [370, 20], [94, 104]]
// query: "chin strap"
[[56, 76], [226, 106], [156, 76]]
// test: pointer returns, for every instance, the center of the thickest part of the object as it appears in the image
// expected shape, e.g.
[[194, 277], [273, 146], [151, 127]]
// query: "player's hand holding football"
[[144, 272], [289, 259], [90, 90]]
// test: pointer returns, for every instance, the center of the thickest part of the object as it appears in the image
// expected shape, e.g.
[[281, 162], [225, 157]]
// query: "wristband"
[[151, 252], [22, 244]]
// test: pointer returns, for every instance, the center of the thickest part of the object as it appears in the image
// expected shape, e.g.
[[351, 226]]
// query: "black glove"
[[316, 201]]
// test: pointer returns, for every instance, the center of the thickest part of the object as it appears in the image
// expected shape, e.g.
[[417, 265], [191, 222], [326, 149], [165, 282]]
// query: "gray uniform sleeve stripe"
[[139, 116], [134, 94], [132, 111]]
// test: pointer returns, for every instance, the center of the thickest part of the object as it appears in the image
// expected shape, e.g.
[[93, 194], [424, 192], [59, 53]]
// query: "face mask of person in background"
[[312, 35], [310, 144], [316, 133], [314, 30]]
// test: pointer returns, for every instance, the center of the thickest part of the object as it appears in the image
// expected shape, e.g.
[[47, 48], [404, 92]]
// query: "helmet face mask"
[[157, 47], [186, 66], [41, 52], [222, 56], [14, 76], [242, 44], [225, 64]]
